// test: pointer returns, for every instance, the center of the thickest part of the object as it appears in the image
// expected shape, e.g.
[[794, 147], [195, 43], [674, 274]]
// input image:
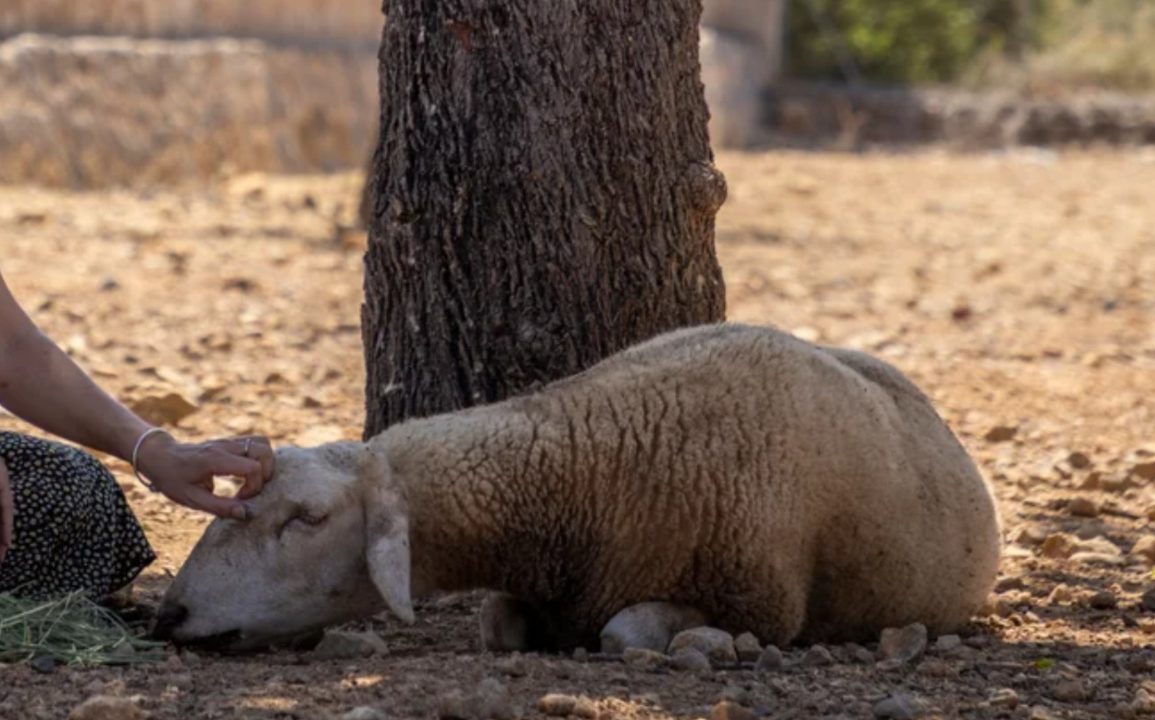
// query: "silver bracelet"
[[136, 452]]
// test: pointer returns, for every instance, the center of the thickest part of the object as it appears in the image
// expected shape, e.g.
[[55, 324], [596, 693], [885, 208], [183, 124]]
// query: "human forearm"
[[42, 385]]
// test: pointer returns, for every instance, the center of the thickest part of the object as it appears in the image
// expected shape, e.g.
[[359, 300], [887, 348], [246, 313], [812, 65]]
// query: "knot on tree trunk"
[[707, 187]]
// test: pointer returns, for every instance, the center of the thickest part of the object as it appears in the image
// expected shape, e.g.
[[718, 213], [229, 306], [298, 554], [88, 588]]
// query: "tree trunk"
[[545, 195]]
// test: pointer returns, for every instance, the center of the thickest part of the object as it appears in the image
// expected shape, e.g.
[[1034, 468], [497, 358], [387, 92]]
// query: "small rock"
[[644, 659], [727, 710], [1001, 433], [817, 656], [1145, 548], [363, 713], [690, 660], [1083, 507], [770, 659], [342, 645], [1103, 600], [937, 668], [1095, 559], [748, 647], [1005, 697], [1061, 595], [103, 707], [1147, 601], [1059, 546], [735, 694], [897, 707], [1100, 545], [1010, 583], [1079, 460], [860, 654], [715, 644], [513, 666], [902, 644], [559, 705], [45, 664], [1070, 690], [1030, 535], [947, 643], [1038, 712]]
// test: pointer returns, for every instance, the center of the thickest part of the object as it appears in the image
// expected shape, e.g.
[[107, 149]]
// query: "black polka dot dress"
[[73, 529]]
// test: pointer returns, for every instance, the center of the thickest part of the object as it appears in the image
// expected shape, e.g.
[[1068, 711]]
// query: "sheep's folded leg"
[[650, 625], [512, 625]]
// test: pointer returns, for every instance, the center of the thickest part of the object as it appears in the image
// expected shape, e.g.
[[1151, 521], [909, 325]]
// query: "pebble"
[[690, 660], [1070, 690], [645, 659], [770, 659], [1005, 697], [342, 645], [715, 644], [937, 668], [1097, 559], [45, 664], [947, 643], [1145, 548], [1060, 595], [104, 707], [860, 654], [1083, 507], [363, 713], [559, 705], [897, 707], [1001, 433], [1103, 600], [727, 710], [748, 647], [735, 694], [513, 666], [902, 644], [817, 656], [1059, 546], [1079, 460], [1038, 712]]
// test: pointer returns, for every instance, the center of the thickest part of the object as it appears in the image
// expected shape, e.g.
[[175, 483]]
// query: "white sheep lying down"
[[725, 475]]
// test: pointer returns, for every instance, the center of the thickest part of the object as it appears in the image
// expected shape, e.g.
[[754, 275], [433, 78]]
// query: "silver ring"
[[248, 446]]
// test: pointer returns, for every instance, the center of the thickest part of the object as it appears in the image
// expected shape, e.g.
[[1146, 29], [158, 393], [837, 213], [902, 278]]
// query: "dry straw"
[[71, 630]]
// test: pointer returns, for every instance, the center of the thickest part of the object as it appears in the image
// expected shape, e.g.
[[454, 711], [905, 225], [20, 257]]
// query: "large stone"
[[715, 644], [748, 647]]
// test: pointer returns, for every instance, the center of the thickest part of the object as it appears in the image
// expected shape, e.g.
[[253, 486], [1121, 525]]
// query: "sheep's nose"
[[170, 617]]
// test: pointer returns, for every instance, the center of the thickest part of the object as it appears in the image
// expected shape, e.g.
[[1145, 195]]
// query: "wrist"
[[151, 444]]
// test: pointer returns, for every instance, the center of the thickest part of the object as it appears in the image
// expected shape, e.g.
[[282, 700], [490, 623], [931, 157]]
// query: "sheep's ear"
[[386, 537]]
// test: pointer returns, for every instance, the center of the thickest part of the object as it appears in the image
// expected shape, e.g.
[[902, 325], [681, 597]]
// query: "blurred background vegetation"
[[1033, 45]]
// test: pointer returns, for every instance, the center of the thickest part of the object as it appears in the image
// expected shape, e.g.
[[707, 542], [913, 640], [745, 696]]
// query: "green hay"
[[72, 630]]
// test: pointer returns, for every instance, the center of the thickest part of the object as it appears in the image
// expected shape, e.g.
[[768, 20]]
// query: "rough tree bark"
[[545, 195]]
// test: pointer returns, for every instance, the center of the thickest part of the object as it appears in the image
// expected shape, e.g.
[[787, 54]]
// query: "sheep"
[[726, 475]]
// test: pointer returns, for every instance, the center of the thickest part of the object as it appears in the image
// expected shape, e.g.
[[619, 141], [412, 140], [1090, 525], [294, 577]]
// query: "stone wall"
[[102, 111], [343, 22]]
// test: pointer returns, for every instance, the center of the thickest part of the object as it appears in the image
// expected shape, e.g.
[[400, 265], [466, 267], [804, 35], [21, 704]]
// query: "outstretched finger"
[[199, 498]]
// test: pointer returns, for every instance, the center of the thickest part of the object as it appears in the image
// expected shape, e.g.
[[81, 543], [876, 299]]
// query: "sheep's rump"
[[778, 486]]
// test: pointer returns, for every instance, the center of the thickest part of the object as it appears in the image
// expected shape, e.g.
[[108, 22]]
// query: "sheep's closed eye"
[[302, 519]]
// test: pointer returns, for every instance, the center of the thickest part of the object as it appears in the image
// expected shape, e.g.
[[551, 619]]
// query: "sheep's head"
[[328, 542]]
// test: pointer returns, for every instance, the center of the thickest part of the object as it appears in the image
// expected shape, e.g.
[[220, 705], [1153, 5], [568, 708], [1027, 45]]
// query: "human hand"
[[7, 511], [185, 472]]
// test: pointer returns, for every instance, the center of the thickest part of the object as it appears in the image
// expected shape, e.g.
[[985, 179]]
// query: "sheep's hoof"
[[648, 625]]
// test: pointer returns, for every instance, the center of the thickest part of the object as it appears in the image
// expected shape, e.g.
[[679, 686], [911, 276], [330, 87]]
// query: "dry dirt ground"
[[1018, 289]]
